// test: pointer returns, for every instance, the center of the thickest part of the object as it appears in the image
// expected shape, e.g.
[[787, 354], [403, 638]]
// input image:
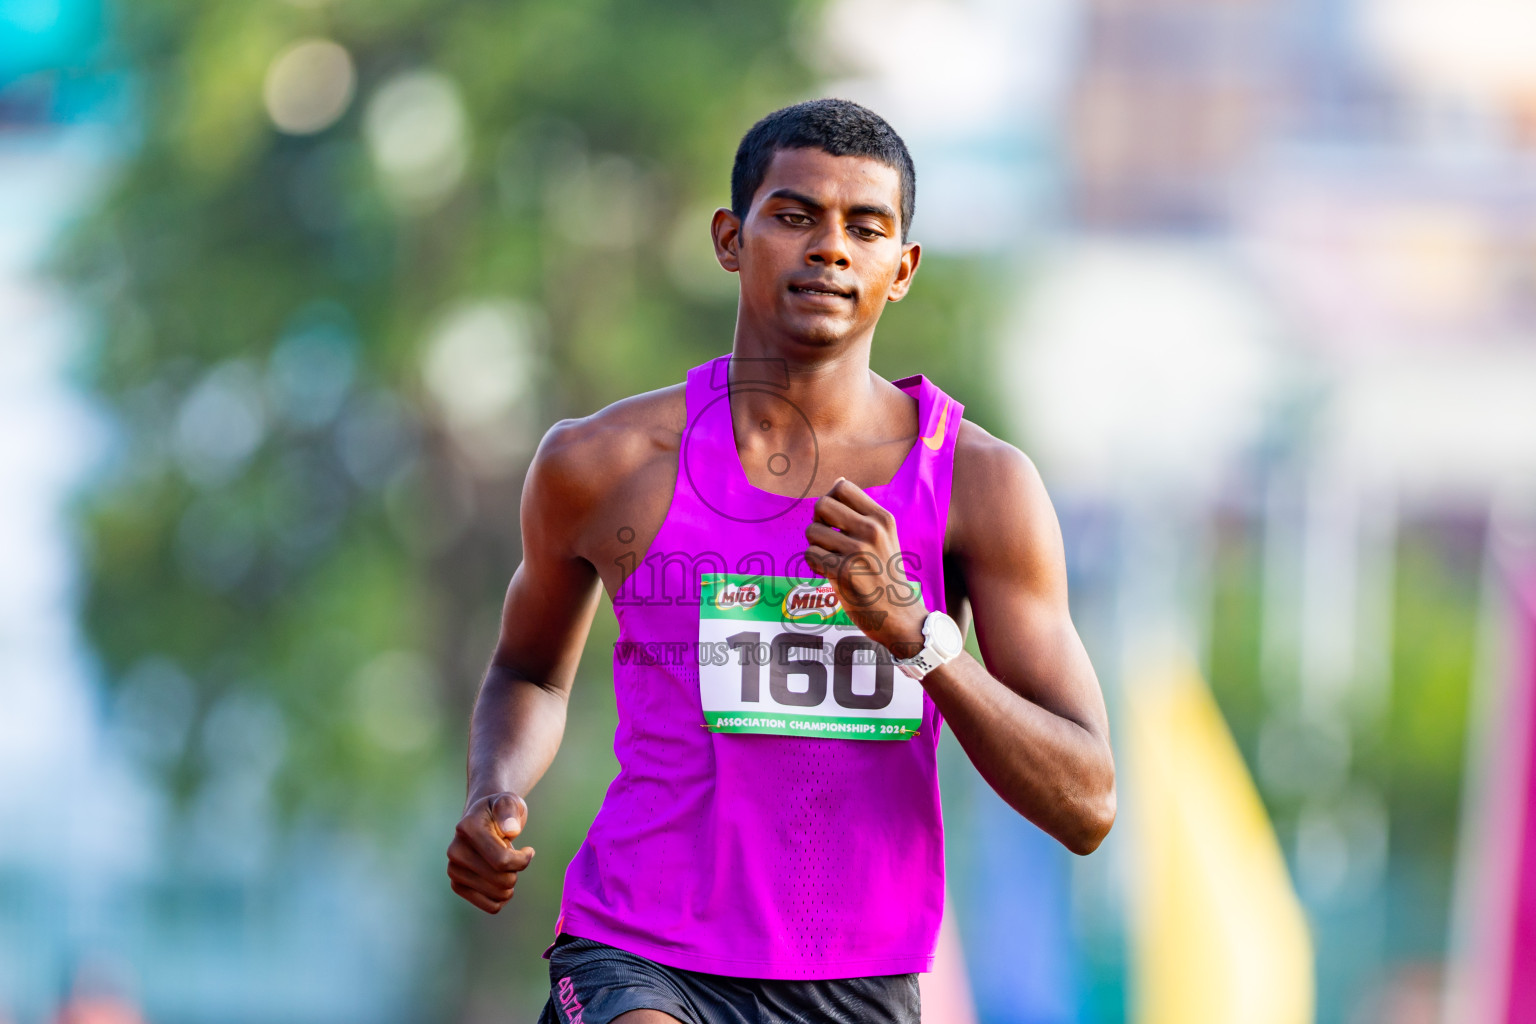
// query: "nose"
[[829, 246]]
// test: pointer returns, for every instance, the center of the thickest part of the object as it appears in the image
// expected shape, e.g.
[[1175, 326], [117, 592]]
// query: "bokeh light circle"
[[309, 86], [417, 133]]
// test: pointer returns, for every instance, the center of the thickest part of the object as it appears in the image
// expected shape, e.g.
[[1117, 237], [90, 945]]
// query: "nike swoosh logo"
[[935, 441]]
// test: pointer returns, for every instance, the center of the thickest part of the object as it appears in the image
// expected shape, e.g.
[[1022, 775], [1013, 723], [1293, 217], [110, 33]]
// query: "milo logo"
[[733, 596], [811, 600]]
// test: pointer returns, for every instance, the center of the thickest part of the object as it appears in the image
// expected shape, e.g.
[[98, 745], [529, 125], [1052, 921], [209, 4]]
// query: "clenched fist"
[[482, 862], [852, 542]]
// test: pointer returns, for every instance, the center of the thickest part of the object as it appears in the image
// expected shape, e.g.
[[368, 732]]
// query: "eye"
[[795, 219], [868, 234]]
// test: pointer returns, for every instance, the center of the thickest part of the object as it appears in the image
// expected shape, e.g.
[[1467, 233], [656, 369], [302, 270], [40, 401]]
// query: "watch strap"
[[927, 659], [921, 664]]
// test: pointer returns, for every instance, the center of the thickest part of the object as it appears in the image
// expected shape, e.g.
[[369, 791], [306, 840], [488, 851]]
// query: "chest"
[[621, 537]]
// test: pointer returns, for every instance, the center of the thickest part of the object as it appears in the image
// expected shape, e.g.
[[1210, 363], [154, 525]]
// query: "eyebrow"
[[877, 210]]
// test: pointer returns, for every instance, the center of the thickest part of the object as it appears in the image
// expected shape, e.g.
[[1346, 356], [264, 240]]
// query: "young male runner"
[[772, 848]]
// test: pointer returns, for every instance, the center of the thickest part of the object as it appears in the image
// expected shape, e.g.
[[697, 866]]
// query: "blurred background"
[[289, 290]]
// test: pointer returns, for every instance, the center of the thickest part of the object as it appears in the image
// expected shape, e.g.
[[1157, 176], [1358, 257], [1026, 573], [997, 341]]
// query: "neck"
[[831, 386]]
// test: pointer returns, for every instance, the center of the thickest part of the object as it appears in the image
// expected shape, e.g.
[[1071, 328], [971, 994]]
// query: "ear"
[[726, 230], [911, 256]]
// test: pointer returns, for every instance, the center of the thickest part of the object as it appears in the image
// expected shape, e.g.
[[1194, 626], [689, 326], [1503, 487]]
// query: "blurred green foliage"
[[1391, 759], [288, 556], [290, 522], [1417, 757], [1236, 630]]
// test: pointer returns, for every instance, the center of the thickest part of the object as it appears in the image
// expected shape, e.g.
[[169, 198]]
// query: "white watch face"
[[943, 635]]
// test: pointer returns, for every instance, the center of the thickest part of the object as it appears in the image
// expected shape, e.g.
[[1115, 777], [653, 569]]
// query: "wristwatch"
[[942, 642]]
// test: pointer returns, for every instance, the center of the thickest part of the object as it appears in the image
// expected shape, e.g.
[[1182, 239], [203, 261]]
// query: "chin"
[[820, 332]]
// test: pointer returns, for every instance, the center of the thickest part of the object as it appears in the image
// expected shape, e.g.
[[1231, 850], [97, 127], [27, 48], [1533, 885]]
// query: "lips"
[[820, 288]]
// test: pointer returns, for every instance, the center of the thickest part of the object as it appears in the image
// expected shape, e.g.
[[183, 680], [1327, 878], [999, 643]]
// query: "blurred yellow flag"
[[1218, 934]]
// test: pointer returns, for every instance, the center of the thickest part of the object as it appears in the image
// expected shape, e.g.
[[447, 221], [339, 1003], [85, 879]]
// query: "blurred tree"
[[1375, 794], [358, 257]]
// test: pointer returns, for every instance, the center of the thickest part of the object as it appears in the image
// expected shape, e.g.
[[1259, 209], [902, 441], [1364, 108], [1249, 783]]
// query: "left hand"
[[853, 543]]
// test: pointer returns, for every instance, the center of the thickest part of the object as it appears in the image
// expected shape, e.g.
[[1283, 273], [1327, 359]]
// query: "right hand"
[[482, 862]]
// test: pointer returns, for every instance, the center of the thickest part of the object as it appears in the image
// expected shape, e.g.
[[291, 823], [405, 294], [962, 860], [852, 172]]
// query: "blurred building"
[[1170, 102]]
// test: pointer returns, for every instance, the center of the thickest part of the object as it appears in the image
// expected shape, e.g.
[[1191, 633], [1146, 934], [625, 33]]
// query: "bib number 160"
[[784, 664]]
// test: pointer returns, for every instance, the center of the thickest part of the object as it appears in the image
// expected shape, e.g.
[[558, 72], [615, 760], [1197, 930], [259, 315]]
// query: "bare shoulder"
[[998, 501], [620, 461], [585, 459], [987, 467]]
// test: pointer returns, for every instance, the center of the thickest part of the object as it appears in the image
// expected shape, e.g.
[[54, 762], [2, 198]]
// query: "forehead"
[[834, 180]]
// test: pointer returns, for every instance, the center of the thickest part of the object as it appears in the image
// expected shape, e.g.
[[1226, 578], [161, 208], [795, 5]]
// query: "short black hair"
[[841, 128]]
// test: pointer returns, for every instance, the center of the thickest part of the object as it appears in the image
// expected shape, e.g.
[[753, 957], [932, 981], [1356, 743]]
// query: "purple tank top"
[[725, 845]]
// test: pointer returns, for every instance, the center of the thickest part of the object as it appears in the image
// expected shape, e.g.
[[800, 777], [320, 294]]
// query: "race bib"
[[779, 655]]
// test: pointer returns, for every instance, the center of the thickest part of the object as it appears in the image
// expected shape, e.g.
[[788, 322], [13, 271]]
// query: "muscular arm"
[[609, 474], [1032, 720], [519, 714]]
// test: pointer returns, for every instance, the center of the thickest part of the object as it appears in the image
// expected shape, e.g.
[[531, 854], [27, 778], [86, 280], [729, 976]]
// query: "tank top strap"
[[933, 462], [710, 475], [709, 418]]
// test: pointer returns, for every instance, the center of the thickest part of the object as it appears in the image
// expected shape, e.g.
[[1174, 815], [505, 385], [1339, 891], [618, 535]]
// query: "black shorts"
[[591, 983]]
